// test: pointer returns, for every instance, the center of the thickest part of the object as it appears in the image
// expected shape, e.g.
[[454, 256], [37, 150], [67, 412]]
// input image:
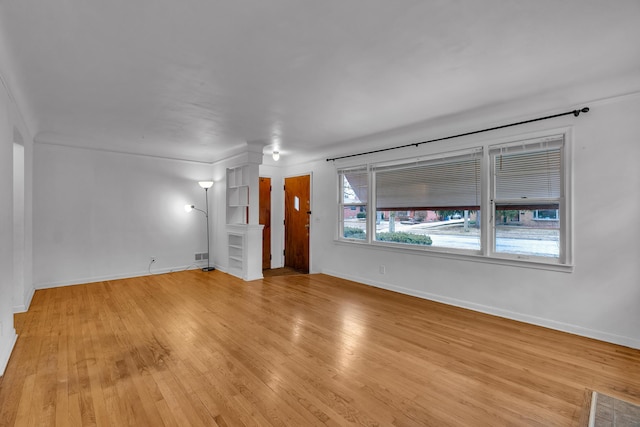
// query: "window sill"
[[458, 255]]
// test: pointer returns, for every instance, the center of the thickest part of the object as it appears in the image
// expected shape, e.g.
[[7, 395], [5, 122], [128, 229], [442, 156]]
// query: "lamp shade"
[[205, 184]]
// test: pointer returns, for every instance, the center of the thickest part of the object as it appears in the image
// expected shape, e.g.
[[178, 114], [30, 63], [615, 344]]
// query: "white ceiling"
[[192, 79]]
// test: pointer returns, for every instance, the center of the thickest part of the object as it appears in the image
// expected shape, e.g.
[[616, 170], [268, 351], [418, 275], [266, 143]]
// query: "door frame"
[[270, 225], [311, 218]]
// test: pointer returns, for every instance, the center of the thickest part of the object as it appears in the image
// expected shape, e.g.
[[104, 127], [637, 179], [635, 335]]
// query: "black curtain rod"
[[576, 113]]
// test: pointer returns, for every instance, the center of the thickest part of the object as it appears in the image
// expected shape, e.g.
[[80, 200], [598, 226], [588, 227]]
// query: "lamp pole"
[[206, 215], [206, 185]]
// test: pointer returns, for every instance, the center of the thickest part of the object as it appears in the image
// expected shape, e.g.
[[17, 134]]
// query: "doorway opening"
[[264, 218]]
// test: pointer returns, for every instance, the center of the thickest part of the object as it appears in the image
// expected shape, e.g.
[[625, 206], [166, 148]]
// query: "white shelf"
[[237, 195], [243, 245], [237, 177]]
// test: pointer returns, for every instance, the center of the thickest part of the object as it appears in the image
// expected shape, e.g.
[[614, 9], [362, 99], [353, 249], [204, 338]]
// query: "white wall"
[[16, 164], [22, 214], [27, 291], [7, 332], [101, 215], [600, 298], [18, 226]]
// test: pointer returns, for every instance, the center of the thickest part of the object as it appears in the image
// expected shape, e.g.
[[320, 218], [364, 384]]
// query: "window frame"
[[487, 253], [354, 205], [560, 200]]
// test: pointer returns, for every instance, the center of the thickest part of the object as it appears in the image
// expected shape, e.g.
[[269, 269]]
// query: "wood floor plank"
[[208, 349]]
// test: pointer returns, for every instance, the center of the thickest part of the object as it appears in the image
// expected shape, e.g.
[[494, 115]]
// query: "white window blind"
[[528, 172], [450, 182], [355, 186]]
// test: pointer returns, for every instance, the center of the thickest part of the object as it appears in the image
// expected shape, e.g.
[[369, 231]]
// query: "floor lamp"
[[206, 185]]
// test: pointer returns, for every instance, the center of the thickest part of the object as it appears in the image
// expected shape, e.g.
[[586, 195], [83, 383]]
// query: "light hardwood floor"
[[197, 348]]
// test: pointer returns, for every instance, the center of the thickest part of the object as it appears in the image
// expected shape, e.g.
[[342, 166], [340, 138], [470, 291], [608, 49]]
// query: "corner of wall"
[[7, 343], [23, 308]]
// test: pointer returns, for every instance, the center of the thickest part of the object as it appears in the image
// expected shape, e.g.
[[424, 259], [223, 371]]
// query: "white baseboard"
[[29, 298], [19, 309], [94, 279], [24, 307], [5, 351], [547, 323]]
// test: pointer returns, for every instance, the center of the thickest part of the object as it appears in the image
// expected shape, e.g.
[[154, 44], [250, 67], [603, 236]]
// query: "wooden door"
[[265, 219], [297, 213]]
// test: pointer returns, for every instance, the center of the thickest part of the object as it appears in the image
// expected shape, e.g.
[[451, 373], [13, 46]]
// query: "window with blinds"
[[506, 201], [527, 195], [354, 189], [431, 202]]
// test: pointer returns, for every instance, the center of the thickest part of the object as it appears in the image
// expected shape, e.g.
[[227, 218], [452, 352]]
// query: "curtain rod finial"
[[582, 110]]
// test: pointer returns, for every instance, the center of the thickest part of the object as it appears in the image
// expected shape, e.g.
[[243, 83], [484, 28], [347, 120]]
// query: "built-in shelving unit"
[[244, 245], [238, 195], [236, 254], [244, 235]]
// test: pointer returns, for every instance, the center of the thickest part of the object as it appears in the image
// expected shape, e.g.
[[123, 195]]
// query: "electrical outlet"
[[152, 259], [382, 269]]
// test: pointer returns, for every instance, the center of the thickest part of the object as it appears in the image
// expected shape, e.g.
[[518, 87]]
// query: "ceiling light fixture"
[[276, 155]]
